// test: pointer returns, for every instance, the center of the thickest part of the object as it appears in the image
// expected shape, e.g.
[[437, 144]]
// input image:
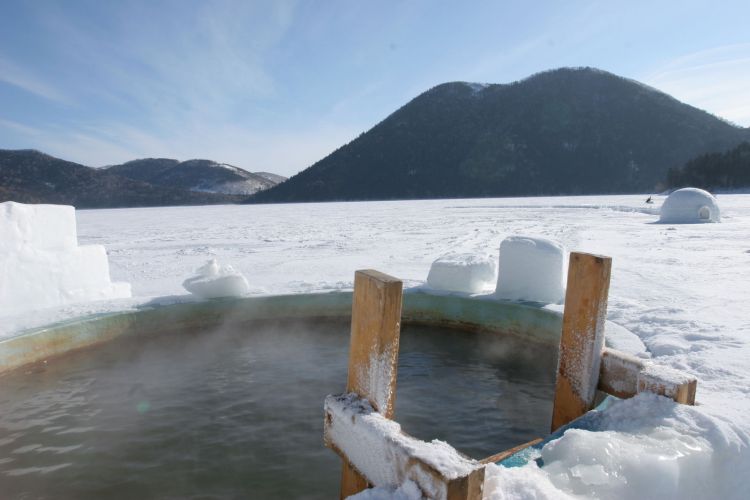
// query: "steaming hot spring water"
[[237, 411]]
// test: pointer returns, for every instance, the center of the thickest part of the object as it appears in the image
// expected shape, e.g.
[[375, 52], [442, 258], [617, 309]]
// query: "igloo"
[[690, 205], [530, 269], [42, 265]]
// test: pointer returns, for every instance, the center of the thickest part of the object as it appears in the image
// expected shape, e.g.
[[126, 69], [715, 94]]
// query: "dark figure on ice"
[[649, 200]]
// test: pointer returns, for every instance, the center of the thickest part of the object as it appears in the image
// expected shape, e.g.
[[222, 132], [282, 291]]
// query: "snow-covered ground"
[[683, 289]]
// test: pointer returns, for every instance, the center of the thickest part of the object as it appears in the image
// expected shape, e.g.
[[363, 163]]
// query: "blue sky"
[[278, 85]]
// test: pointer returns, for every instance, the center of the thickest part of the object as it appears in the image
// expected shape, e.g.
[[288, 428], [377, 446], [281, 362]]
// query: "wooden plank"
[[373, 351], [469, 487], [618, 373], [624, 376], [387, 456], [681, 392], [582, 336], [497, 457]]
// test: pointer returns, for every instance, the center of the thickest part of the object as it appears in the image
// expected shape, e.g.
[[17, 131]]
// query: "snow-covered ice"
[[41, 264], [213, 280], [462, 272], [530, 268], [689, 206], [682, 289]]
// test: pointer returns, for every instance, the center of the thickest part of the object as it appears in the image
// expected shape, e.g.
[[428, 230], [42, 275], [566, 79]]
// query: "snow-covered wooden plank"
[[624, 376], [582, 337], [373, 351], [378, 449], [497, 457]]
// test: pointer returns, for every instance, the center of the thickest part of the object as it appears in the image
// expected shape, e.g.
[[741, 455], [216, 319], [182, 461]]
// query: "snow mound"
[[460, 272], [690, 205], [42, 265], [530, 269], [643, 447], [213, 280]]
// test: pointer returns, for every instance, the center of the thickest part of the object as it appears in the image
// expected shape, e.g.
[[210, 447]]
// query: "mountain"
[[565, 131], [275, 178], [29, 176], [196, 175], [715, 171]]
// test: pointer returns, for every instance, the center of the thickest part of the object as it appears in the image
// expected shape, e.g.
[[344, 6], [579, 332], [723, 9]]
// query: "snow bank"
[[690, 205], [465, 273], [213, 280], [42, 265], [530, 269]]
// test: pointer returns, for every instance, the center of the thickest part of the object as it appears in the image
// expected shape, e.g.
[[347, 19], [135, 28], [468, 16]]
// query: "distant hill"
[[32, 177], [196, 175], [715, 171], [275, 178], [565, 131]]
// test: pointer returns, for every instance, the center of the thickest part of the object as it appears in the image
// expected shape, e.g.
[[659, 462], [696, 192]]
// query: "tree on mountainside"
[[730, 170]]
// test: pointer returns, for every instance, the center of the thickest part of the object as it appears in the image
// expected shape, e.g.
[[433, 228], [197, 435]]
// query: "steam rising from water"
[[238, 412]]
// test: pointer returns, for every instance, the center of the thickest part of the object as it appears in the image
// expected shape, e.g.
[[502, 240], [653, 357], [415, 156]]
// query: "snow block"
[[689, 206], [213, 280], [42, 227], [42, 265], [530, 269], [465, 273]]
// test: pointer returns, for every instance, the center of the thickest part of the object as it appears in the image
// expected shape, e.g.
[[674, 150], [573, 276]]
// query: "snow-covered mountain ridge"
[[196, 175]]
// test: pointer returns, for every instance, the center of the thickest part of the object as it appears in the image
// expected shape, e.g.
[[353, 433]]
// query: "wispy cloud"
[[13, 74], [19, 127], [716, 80], [197, 61]]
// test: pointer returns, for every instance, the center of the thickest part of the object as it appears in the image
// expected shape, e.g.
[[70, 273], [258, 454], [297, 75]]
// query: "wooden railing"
[[374, 449]]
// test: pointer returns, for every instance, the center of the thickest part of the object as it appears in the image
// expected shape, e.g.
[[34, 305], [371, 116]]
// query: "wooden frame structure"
[[359, 426]]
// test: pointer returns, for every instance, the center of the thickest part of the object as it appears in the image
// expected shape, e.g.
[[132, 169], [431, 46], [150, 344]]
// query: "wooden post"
[[582, 337], [373, 351]]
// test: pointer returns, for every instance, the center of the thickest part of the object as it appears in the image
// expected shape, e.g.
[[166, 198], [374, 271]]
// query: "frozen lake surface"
[[683, 289]]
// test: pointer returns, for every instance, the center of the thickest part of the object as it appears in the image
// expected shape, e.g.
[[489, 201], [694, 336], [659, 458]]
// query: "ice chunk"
[[42, 265], [530, 269], [213, 280], [465, 273], [690, 205]]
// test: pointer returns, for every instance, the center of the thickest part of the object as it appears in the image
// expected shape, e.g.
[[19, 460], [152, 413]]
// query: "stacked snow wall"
[[41, 264]]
